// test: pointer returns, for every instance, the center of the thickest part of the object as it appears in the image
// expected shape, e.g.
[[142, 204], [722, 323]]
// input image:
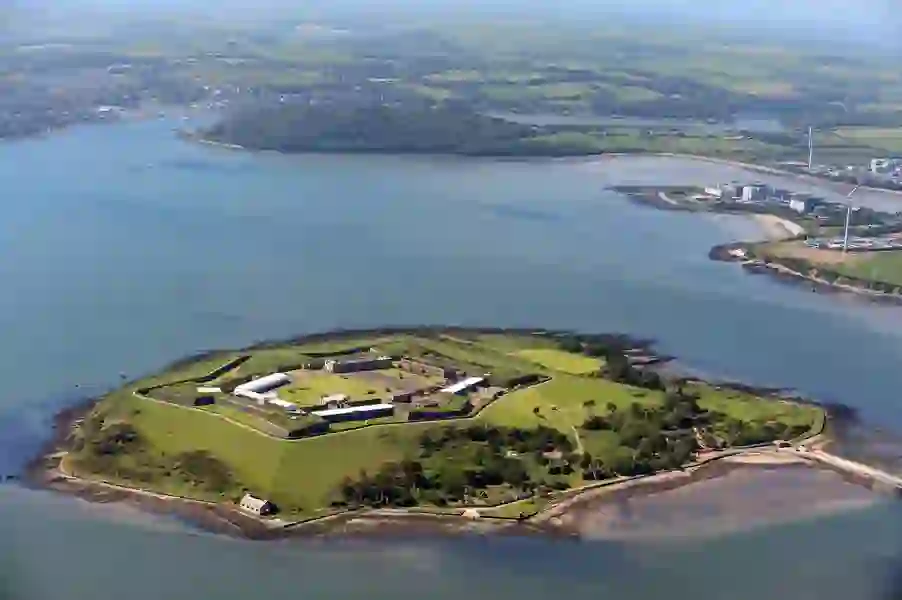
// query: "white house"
[[333, 400], [256, 506]]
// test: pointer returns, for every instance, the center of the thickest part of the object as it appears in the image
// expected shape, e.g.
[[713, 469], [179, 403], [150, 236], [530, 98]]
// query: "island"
[[429, 423]]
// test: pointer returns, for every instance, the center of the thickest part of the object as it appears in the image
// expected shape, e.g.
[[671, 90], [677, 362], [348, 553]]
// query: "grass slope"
[[559, 360]]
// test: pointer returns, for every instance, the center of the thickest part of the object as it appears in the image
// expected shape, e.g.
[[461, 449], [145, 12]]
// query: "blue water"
[[122, 247]]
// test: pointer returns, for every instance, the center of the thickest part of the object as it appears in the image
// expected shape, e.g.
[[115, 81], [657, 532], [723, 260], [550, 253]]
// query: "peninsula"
[[410, 128], [827, 245], [421, 422]]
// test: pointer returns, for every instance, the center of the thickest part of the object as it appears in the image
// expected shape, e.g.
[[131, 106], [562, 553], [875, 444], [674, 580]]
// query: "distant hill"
[[296, 128]]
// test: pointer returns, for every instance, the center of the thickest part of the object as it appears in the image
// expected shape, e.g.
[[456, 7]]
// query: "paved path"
[[856, 468], [579, 442]]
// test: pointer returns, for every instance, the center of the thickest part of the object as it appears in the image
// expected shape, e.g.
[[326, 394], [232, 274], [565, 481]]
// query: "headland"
[[826, 246]]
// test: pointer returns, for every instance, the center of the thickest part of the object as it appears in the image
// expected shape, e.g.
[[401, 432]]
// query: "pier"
[[879, 479]]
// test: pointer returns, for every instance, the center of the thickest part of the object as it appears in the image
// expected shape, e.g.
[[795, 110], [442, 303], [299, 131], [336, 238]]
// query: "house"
[[256, 506], [354, 365], [463, 387], [333, 400]]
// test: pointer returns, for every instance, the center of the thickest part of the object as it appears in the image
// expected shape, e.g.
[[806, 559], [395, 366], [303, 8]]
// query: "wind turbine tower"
[[810, 147], [845, 237]]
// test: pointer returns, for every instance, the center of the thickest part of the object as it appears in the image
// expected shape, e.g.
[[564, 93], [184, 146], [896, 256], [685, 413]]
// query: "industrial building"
[[355, 413], [464, 386], [260, 390], [754, 193], [803, 204], [354, 365]]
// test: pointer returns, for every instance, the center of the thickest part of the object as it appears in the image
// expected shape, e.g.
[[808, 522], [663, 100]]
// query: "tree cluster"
[[460, 464], [651, 438]]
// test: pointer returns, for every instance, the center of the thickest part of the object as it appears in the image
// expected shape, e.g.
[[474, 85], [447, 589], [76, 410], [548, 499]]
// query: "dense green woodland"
[[378, 128]]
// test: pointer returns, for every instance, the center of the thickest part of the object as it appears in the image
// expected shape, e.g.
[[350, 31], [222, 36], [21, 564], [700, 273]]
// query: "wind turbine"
[[845, 237], [810, 148]]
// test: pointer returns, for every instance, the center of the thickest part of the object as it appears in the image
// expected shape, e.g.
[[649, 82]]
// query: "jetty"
[[878, 479]]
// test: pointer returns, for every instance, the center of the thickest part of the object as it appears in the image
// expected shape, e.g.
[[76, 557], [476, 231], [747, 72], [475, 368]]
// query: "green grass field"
[[558, 360], [747, 407], [310, 386], [884, 138], [879, 266], [562, 402]]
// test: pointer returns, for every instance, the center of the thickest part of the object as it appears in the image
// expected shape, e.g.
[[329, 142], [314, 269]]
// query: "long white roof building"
[[264, 384], [334, 412], [463, 385]]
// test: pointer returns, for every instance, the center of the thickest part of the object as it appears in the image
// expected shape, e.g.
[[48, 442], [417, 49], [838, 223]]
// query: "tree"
[[571, 344], [595, 423]]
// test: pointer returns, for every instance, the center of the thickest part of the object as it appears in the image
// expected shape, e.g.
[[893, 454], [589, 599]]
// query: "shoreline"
[[564, 518], [45, 471], [730, 253]]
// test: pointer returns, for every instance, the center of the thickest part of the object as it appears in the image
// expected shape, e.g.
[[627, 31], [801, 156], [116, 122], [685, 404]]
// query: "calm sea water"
[[122, 248]]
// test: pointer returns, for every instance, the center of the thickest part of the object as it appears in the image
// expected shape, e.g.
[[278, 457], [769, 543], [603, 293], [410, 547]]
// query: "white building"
[[463, 386], [333, 399], [751, 193], [260, 390], [353, 413], [256, 506]]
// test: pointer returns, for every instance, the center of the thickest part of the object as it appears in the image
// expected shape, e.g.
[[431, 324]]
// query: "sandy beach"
[[728, 498], [778, 228]]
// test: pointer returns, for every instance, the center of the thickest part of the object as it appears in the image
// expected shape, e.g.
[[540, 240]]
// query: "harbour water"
[[123, 247]]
